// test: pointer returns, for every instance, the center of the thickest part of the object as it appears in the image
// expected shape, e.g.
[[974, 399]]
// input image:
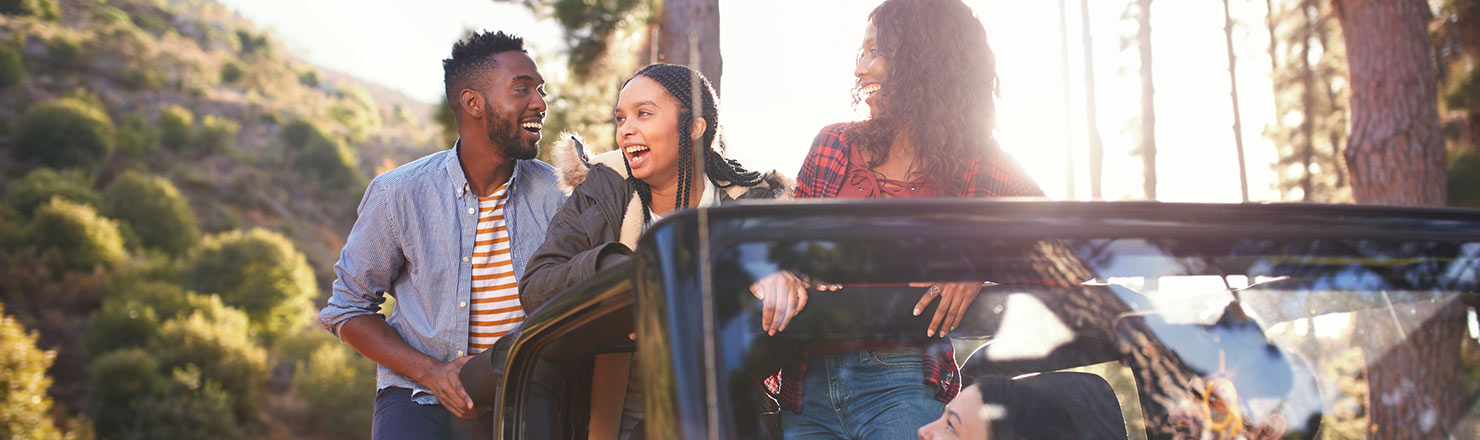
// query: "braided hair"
[[682, 82]]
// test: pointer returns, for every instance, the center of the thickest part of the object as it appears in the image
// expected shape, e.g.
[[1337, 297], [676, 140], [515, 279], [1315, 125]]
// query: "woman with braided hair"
[[652, 173], [928, 76]]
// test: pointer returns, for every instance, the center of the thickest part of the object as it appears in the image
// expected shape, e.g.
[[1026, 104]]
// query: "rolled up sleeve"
[[371, 259]]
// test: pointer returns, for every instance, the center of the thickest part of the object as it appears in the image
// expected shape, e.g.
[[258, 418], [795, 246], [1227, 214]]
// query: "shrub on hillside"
[[321, 155], [136, 137], [66, 51], [43, 9], [82, 239], [222, 349], [231, 73], [12, 67], [309, 78], [156, 402], [176, 125], [39, 186], [66, 133], [217, 133], [338, 387], [154, 209], [258, 271], [24, 404], [357, 112], [119, 324]]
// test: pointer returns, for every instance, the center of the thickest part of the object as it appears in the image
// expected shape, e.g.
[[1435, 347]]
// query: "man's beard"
[[507, 134]]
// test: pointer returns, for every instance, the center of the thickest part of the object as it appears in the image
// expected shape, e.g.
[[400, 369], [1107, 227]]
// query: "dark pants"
[[398, 417]]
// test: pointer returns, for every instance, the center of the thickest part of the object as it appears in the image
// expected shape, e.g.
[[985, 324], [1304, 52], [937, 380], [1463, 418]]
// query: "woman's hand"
[[954, 299], [783, 295]]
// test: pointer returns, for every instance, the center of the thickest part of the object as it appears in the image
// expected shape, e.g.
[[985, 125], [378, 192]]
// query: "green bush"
[[144, 77], [82, 239], [309, 78], [39, 186], [12, 228], [338, 387], [357, 112], [231, 73], [298, 133], [136, 137], [217, 133], [156, 402], [66, 51], [176, 125], [24, 404], [44, 9], [253, 44], [222, 349], [66, 133], [258, 271], [12, 67], [323, 156], [119, 324], [154, 209]]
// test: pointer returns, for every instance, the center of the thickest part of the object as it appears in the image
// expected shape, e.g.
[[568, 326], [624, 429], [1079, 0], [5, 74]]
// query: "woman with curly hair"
[[929, 79]]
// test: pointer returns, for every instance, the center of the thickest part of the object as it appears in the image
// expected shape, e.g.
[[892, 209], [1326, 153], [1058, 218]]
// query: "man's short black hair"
[[473, 54]]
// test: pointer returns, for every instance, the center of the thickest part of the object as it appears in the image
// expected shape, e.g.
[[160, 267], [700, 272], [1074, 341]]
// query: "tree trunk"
[[1064, 73], [1148, 102], [1334, 131], [683, 20], [1395, 152], [1238, 128], [1395, 155], [1274, 69], [1307, 103], [1096, 148]]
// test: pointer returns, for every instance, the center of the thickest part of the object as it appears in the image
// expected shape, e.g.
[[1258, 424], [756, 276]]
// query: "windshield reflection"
[[1229, 338]]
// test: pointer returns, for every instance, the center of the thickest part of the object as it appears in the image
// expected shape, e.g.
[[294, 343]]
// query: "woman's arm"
[[579, 236]]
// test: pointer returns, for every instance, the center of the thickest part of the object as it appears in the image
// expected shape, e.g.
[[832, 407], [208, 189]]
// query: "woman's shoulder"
[[832, 135]]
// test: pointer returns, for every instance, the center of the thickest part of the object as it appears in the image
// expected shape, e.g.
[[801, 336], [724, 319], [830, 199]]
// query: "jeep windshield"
[[1140, 320]]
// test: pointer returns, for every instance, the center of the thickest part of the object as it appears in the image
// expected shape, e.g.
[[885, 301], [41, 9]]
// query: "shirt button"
[[459, 353], [465, 259], [462, 304], [472, 211]]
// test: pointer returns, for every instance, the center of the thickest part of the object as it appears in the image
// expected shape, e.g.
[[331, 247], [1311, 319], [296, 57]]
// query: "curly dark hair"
[[941, 86], [473, 54], [680, 82]]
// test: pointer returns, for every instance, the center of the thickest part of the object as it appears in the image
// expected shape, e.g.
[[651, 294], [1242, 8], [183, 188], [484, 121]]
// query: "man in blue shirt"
[[415, 239]]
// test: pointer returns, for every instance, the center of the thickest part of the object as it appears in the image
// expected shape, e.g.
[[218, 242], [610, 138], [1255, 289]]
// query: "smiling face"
[[513, 104], [870, 69], [963, 419], [647, 132]]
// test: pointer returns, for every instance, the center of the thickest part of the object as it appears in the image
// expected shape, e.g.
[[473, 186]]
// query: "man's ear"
[[696, 130], [471, 102]]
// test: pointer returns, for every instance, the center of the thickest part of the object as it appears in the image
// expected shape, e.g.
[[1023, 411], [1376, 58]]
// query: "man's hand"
[[446, 383], [782, 296], [954, 299]]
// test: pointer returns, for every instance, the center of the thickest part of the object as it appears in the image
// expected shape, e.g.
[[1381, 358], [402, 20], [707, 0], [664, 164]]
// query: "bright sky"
[[788, 69]]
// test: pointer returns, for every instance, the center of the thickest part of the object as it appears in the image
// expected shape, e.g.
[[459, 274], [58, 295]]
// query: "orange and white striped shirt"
[[495, 300]]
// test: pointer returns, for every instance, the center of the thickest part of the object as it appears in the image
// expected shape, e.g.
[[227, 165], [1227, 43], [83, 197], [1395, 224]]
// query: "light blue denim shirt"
[[414, 240]]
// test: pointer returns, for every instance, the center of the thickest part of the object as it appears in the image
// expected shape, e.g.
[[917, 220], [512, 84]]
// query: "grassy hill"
[[174, 190]]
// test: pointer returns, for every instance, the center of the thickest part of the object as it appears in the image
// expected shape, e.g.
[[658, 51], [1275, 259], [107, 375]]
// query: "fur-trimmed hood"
[[574, 162]]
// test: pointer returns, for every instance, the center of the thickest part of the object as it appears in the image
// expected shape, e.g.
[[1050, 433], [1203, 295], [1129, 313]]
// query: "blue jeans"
[[869, 394]]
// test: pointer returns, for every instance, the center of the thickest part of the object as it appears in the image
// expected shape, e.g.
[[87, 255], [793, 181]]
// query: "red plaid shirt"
[[822, 175]]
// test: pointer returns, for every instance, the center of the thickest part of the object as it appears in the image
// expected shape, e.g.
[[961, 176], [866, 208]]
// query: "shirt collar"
[[460, 180]]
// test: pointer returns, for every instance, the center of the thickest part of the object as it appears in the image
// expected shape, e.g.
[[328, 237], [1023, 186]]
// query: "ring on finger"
[[933, 290]]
